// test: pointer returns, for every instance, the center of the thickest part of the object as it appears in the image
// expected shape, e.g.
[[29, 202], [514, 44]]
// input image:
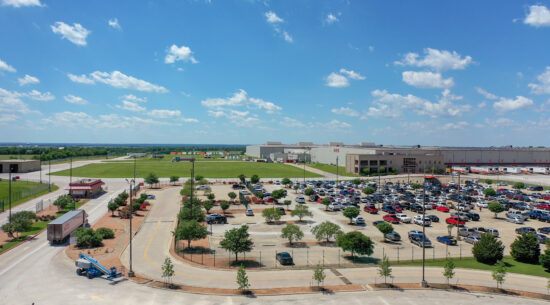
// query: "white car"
[[334, 207], [403, 218], [419, 220], [203, 187], [301, 200], [482, 204], [515, 219], [358, 220]]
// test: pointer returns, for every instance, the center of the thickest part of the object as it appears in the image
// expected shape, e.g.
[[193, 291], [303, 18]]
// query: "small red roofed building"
[[86, 188]]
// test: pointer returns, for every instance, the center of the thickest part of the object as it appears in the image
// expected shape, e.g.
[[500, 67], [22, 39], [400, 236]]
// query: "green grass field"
[[22, 191], [168, 158], [332, 169], [471, 263], [21, 157], [210, 169]]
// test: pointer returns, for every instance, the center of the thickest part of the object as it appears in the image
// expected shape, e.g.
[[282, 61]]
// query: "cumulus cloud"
[[39, 96], [290, 122], [287, 37], [543, 87], [457, 125], [538, 16], [240, 99], [28, 80], [11, 106], [352, 74], [345, 111], [336, 80], [486, 94], [165, 114], [271, 17], [508, 104], [73, 99], [114, 24], [276, 22], [239, 118], [5, 67], [331, 18], [131, 106], [427, 79], [439, 60], [182, 53], [20, 3], [76, 33], [117, 79], [335, 124], [71, 119], [501, 122], [133, 98]]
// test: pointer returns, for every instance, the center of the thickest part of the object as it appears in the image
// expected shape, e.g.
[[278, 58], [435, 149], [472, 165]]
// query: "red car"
[[370, 209], [442, 209], [546, 197], [455, 221], [544, 206], [397, 208], [391, 218]]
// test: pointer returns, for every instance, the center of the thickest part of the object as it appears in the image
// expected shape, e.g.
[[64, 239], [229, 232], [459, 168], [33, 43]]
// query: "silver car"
[[515, 219]]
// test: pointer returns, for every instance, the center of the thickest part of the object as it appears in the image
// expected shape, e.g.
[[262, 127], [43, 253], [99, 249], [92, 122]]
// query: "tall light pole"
[[424, 283], [9, 192], [71, 179], [49, 175], [336, 169], [40, 168], [130, 182]]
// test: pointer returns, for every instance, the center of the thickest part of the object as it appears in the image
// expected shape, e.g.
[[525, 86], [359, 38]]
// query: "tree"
[[242, 279], [187, 190], [416, 186], [278, 194], [384, 268], [287, 203], [356, 242], [449, 269], [271, 214], [151, 179], [211, 196], [519, 185], [292, 232], [286, 181], [384, 228], [526, 248], [63, 201], [207, 204], [198, 178], [301, 211], [366, 171], [190, 230], [488, 181], [237, 240], [174, 179], [112, 206], [88, 238], [499, 274], [309, 191], [369, 190], [123, 196], [168, 271], [351, 212], [326, 231], [544, 259], [242, 177], [356, 181], [326, 202], [232, 196], [496, 207], [224, 205], [295, 187], [9, 228], [488, 249], [489, 192], [319, 274], [193, 212], [254, 179]]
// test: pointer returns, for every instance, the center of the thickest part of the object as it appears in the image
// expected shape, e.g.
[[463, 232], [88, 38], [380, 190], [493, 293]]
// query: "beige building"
[[403, 163], [19, 166]]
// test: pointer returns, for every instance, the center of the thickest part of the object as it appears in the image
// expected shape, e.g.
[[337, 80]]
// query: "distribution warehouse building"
[[408, 159]]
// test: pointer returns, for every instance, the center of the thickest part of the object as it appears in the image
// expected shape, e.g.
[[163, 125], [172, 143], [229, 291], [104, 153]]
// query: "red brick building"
[[86, 188]]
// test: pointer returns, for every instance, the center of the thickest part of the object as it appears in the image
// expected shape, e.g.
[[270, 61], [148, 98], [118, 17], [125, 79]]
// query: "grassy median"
[[332, 169]]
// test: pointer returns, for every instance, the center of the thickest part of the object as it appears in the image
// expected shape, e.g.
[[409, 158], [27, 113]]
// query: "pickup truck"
[[403, 218], [454, 220], [371, 209], [391, 218]]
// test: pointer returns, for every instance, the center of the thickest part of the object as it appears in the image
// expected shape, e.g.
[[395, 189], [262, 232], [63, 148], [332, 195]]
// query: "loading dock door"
[[14, 168]]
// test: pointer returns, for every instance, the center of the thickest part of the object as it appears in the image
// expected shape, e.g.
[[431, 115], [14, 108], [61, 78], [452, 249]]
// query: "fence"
[[21, 190]]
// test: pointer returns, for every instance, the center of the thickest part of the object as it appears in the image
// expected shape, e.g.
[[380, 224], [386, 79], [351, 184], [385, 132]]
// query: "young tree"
[[232, 196], [489, 192], [496, 207], [254, 179], [168, 272], [526, 248], [296, 187], [198, 178], [237, 240], [326, 231], [63, 201], [286, 181], [519, 185], [301, 211], [151, 179], [224, 205], [207, 204], [292, 232], [488, 249], [384, 268], [309, 191], [278, 194], [287, 203], [351, 212], [366, 171], [384, 228], [271, 214], [242, 177], [449, 269], [488, 181], [450, 228], [174, 179], [369, 190], [319, 274], [326, 202], [211, 196], [356, 242], [356, 181], [112, 206], [190, 230], [499, 274], [242, 279]]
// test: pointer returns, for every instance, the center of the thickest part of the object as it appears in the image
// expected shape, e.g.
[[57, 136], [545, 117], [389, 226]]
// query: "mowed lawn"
[[22, 191], [209, 169], [332, 169]]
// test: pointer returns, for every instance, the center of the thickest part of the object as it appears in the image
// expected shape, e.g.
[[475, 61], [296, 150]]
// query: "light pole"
[[71, 179], [424, 283], [9, 192], [337, 170], [40, 168], [131, 272], [49, 175]]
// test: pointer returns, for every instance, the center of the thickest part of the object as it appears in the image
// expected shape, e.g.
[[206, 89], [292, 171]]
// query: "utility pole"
[[424, 283], [304, 166], [132, 183], [9, 192], [336, 169], [49, 175], [40, 168], [71, 179]]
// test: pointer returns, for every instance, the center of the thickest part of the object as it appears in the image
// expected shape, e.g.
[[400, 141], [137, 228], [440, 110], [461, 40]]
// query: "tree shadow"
[[297, 244], [361, 259], [196, 250], [246, 263]]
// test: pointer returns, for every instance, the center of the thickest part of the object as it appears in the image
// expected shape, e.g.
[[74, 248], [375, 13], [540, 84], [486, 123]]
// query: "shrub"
[[519, 185], [488, 249], [489, 192], [526, 248], [136, 206], [369, 190], [88, 238], [106, 233], [385, 228], [254, 179]]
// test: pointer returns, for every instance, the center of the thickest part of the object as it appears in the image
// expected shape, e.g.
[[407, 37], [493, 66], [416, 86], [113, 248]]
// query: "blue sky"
[[462, 73]]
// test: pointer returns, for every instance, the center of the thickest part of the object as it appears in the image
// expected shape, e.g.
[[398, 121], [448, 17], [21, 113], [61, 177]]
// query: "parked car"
[[403, 218], [442, 208], [203, 187], [300, 200], [151, 196], [515, 219], [392, 236], [215, 218], [283, 212], [541, 238], [238, 186], [544, 230], [420, 240], [522, 230], [284, 258], [377, 222], [482, 204], [468, 231], [472, 239], [358, 220], [455, 221], [249, 212], [473, 216], [371, 209], [419, 220], [245, 193], [433, 218], [391, 218], [448, 240]]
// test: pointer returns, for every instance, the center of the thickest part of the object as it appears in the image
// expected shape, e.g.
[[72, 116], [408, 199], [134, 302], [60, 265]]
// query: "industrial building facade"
[[404, 159], [19, 166]]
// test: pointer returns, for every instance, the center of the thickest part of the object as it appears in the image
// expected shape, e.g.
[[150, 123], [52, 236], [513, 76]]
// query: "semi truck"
[[60, 229]]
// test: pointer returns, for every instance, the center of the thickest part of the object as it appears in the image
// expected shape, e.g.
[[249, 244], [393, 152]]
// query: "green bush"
[[106, 233], [488, 249], [369, 190], [88, 238], [136, 206], [526, 248], [489, 192]]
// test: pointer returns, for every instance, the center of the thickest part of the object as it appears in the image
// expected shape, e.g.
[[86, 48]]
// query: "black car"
[[238, 186], [416, 208], [525, 230], [377, 222], [473, 216], [215, 218], [544, 217], [433, 218], [284, 258], [392, 236], [544, 230]]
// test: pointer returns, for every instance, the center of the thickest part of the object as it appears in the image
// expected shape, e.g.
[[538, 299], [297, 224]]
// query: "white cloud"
[[486, 94], [114, 24], [457, 125], [189, 120], [287, 37], [427, 79], [133, 98], [20, 3], [11, 106], [345, 111], [544, 86], [331, 18], [182, 53], [72, 119], [538, 16], [505, 104], [336, 80], [352, 74], [482, 105], [76, 33], [117, 79], [438, 60], [165, 114], [335, 124], [5, 67], [271, 17], [240, 99], [501, 122], [131, 106], [290, 122], [27, 80], [73, 99], [39, 96], [239, 118]]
